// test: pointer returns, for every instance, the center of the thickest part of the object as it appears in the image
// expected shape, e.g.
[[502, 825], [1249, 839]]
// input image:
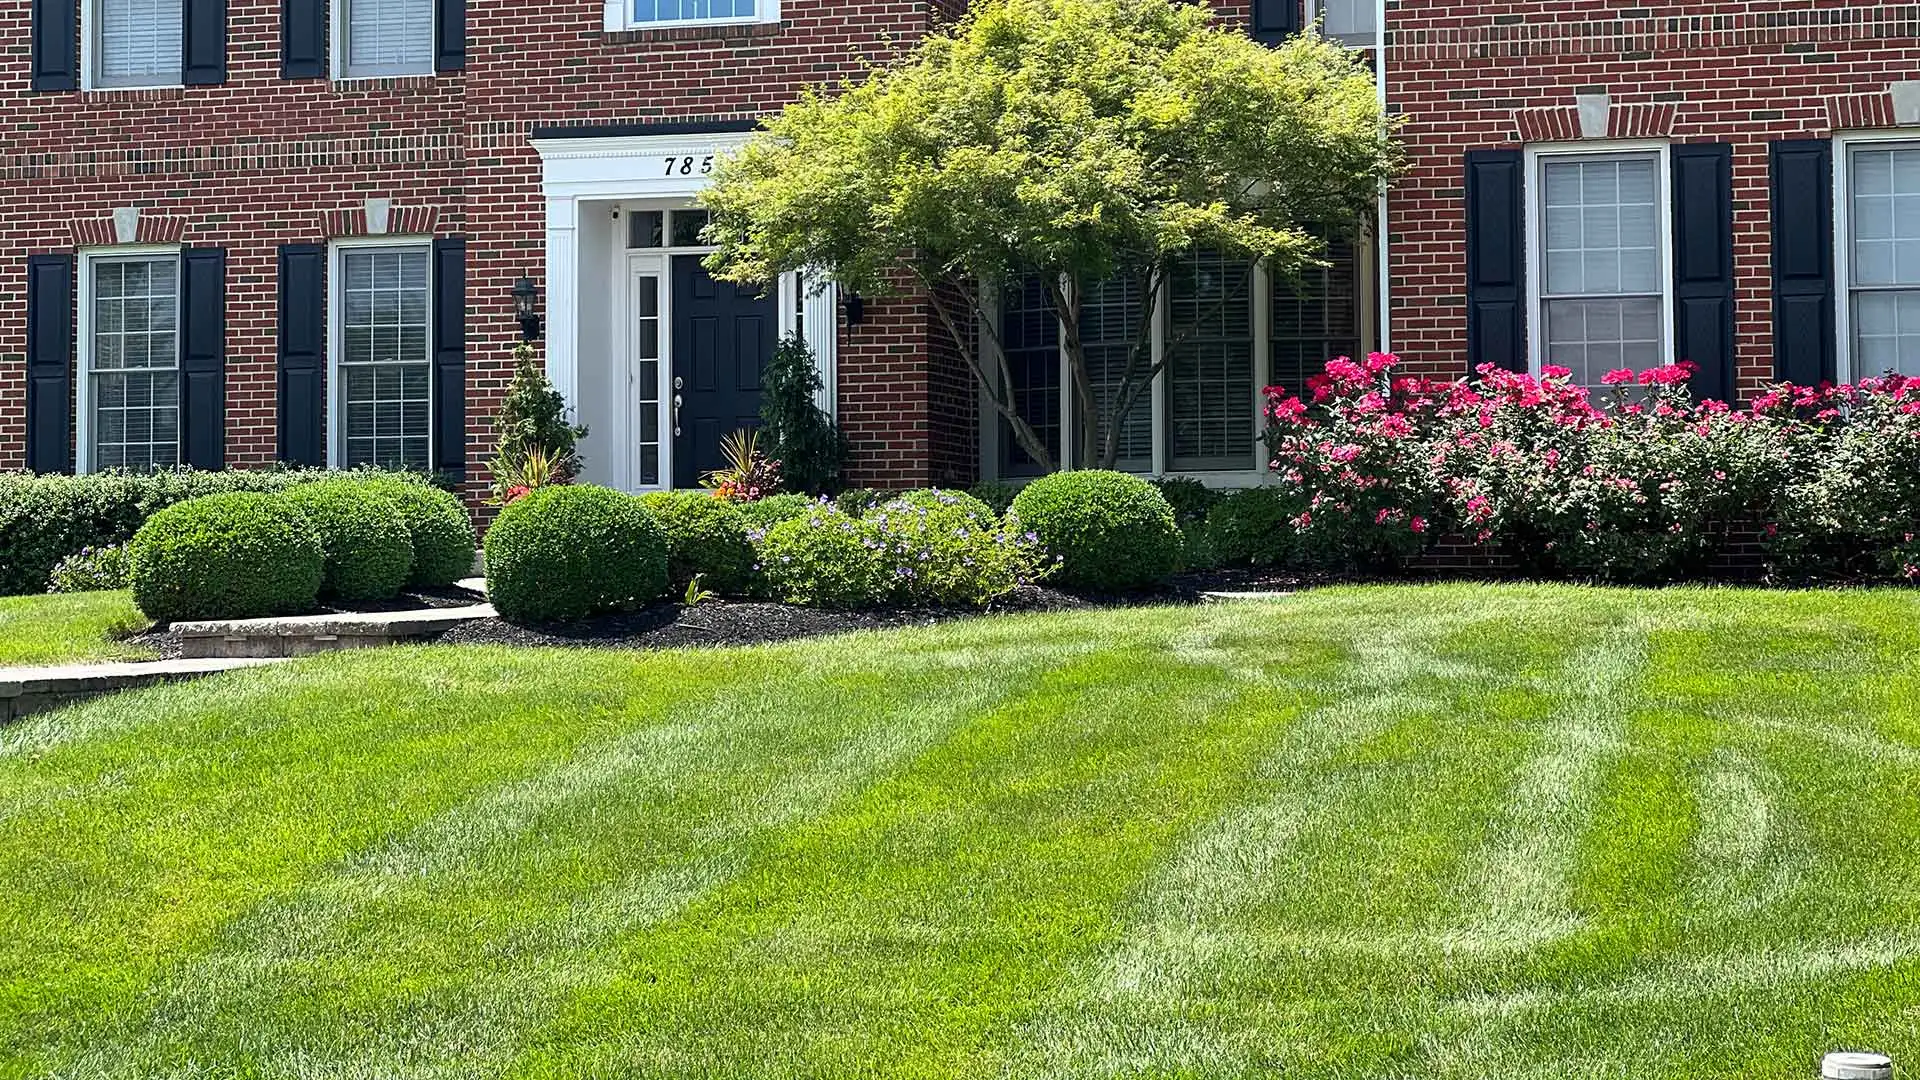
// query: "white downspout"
[[1385, 333]]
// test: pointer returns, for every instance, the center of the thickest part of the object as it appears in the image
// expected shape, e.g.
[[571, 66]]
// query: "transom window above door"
[[135, 43], [649, 13], [384, 38], [1599, 252]]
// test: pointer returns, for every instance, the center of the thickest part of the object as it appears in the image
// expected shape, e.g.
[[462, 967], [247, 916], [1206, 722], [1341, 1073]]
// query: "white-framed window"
[[1879, 259], [383, 38], [381, 377], [1223, 330], [132, 44], [1352, 22], [1600, 255], [129, 393], [646, 14]]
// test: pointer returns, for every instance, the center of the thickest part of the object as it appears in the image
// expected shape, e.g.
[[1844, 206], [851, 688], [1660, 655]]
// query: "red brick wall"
[[1745, 73], [255, 163]]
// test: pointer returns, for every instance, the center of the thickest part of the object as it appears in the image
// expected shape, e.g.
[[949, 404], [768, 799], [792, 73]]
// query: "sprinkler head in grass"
[[1852, 1065]]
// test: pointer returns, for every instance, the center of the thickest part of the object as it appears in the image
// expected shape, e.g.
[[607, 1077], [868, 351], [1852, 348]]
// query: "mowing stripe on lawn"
[[458, 1021], [776, 976]]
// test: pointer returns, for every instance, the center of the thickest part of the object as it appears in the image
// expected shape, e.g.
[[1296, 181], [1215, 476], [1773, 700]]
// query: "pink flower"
[[1419, 524], [1555, 371], [1618, 376], [1344, 453], [1381, 517]]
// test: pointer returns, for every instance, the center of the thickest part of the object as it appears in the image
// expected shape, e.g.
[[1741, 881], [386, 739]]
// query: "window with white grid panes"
[[642, 13], [136, 42], [1599, 253], [133, 363], [384, 402], [386, 38], [1883, 214], [1210, 365]]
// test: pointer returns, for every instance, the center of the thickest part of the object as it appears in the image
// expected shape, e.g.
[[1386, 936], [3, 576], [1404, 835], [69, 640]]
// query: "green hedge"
[[238, 555], [440, 527], [571, 552], [706, 538], [45, 518], [827, 559], [369, 549]]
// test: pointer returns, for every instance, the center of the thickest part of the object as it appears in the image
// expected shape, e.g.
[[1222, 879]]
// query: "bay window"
[[1883, 259], [1223, 330]]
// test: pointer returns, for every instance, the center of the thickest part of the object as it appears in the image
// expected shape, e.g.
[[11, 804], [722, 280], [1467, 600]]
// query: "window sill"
[[733, 31], [160, 92], [358, 84]]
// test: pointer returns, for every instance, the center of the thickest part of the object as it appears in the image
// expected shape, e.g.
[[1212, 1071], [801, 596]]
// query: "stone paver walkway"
[[27, 690]]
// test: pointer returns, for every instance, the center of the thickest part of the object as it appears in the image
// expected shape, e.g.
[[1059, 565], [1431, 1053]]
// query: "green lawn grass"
[[69, 629], [1438, 832]]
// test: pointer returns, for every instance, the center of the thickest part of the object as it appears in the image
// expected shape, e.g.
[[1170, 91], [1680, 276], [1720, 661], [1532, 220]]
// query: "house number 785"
[[685, 166]]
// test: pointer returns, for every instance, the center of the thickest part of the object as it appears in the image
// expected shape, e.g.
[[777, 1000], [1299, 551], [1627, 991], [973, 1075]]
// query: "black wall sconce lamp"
[[856, 309], [526, 309]]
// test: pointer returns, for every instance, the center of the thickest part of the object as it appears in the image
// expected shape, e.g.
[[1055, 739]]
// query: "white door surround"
[[589, 184]]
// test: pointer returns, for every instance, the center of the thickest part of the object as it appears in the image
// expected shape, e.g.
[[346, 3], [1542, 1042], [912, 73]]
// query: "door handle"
[[676, 415]]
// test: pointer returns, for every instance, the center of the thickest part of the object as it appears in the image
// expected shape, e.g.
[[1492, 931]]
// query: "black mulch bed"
[[741, 622]]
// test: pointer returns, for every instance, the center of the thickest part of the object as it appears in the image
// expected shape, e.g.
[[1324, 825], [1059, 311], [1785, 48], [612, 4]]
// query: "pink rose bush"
[[1638, 482]]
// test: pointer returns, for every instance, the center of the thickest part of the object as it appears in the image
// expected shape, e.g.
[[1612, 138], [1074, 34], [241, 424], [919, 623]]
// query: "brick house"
[[247, 231]]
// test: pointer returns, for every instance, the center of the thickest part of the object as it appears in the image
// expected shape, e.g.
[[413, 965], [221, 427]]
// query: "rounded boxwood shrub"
[[369, 548], [569, 552], [826, 559], [241, 555], [437, 522], [1109, 530], [706, 538], [1254, 527]]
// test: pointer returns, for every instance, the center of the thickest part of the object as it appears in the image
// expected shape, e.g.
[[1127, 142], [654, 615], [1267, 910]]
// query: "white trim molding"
[[336, 405], [83, 446], [617, 16], [611, 170], [1537, 155], [1845, 144]]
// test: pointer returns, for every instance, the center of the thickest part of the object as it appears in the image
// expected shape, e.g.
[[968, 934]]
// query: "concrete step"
[[28, 690], [301, 635]]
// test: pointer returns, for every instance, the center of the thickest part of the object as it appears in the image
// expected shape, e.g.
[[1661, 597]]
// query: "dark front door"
[[723, 337]]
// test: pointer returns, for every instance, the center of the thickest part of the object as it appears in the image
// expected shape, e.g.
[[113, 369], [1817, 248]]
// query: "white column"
[[563, 299], [821, 332], [615, 17]]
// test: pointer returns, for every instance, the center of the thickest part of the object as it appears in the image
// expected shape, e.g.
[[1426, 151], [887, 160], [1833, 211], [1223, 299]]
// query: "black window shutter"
[[450, 357], [303, 39], [50, 363], [1275, 21], [303, 354], [203, 358], [1703, 265], [204, 36], [449, 35], [56, 45], [1496, 260], [1803, 325]]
